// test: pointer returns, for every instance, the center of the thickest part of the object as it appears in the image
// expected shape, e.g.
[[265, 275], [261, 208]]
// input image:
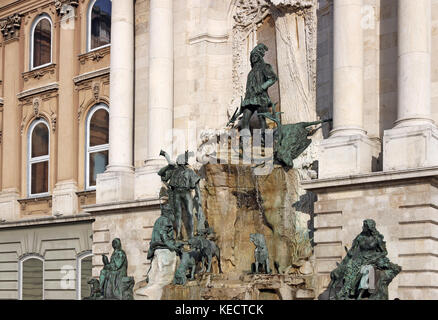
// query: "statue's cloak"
[[291, 140]]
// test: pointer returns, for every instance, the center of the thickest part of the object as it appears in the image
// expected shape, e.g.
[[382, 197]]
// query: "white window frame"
[[31, 160], [32, 32], [90, 9], [88, 149], [79, 259], [20, 273]]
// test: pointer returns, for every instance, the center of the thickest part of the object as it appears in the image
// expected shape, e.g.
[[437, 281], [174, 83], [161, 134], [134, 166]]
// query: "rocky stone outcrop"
[[238, 203]]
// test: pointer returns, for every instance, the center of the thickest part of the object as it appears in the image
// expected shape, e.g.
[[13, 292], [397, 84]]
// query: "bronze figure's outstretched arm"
[[166, 155]]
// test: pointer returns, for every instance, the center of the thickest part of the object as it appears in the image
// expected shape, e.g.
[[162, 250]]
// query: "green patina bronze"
[[260, 78], [180, 180], [290, 140], [351, 279], [113, 283], [162, 233]]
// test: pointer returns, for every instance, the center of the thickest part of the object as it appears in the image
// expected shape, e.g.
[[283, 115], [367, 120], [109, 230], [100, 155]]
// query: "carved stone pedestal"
[[161, 274]]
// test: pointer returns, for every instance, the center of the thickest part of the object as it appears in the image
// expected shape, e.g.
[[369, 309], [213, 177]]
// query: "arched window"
[[41, 42], [38, 153], [84, 273], [31, 278], [97, 143], [99, 24]]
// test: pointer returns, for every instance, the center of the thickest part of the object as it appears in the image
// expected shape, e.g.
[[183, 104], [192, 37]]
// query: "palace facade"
[[92, 90]]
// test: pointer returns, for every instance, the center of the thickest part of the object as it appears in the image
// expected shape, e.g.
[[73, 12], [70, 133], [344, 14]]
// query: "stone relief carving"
[[96, 90], [94, 56], [53, 119], [81, 109], [23, 124], [36, 106], [10, 26], [62, 6], [248, 17], [38, 74]]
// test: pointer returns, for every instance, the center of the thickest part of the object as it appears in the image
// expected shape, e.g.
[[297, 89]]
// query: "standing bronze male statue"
[[260, 78], [180, 180]]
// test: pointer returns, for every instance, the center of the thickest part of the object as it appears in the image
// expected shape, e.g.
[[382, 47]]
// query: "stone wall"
[[402, 203], [132, 222], [58, 244]]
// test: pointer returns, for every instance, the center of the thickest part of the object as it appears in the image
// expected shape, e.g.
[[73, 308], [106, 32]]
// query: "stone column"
[[413, 142], [117, 183], [160, 102], [65, 200], [11, 163], [348, 149]]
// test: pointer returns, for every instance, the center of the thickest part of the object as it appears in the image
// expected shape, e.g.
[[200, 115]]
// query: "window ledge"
[[86, 196], [35, 199], [39, 72], [95, 55]]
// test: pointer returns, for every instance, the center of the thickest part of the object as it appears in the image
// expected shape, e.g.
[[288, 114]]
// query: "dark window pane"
[[99, 128], [40, 141], [40, 177], [33, 279], [101, 23], [42, 41], [98, 163], [86, 265]]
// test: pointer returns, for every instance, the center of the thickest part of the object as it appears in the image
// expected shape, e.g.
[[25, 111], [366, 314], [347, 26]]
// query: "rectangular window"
[[39, 176], [32, 280], [98, 163]]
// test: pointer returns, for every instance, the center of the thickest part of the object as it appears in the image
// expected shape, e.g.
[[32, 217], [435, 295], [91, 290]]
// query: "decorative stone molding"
[[53, 120], [10, 26], [23, 124], [93, 81], [292, 3], [90, 75], [96, 90], [28, 93], [61, 6], [36, 106], [26, 201], [81, 110], [208, 38], [39, 73], [86, 196], [94, 56]]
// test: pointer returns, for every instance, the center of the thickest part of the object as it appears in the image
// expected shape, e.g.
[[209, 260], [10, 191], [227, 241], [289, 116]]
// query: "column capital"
[[10, 26]]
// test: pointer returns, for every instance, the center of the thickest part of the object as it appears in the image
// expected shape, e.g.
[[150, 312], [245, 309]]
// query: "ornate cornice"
[[39, 73], [95, 56], [90, 75], [10, 26], [250, 12], [25, 94]]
